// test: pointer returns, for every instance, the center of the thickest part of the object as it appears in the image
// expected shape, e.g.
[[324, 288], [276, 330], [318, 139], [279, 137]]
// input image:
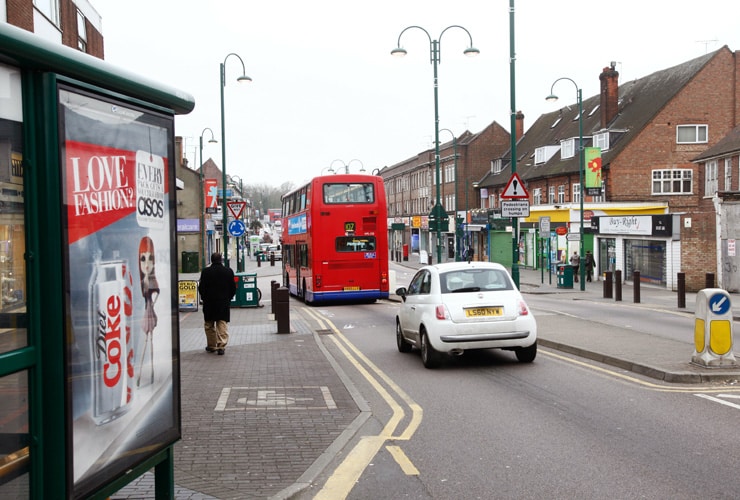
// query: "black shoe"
[[221, 352], [210, 349]]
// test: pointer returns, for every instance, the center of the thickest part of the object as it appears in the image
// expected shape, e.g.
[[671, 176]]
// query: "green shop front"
[[88, 287]]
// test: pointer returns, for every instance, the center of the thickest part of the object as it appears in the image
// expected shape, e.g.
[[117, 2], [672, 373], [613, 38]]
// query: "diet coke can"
[[111, 313]]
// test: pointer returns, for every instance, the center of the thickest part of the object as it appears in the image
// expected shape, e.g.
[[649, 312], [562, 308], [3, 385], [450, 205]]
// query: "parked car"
[[274, 251], [457, 306]]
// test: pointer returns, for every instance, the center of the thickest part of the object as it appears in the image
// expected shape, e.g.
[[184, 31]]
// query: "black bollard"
[[681, 290], [274, 285], [709, 280], [618, 286], [636, 287], [272, 260], [282, 310], [608, 285]]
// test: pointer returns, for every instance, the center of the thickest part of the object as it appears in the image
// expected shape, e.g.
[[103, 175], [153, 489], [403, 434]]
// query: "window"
[[594, 110], [728, 174], [602, 141], [567, 148], [677, 181], [555, 123], [551, 195], [576, 193], [344, 193], [561, 193], [537, 196], [49, 8], [450, 173], [81, 32], [710, 178], [496, 166], [691, 134]]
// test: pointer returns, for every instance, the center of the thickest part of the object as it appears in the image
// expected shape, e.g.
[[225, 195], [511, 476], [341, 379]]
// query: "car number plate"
[[351, 288], [483, 311]]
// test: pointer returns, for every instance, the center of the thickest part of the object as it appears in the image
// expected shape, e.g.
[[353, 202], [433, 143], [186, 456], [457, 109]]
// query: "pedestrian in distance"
[[590, 265], [575, 264], [217, 287]]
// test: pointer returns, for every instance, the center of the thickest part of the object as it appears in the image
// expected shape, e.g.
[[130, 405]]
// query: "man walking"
[[217, 287]]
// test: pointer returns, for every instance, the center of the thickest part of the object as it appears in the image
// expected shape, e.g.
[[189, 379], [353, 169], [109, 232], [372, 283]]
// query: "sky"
[[326, 92]]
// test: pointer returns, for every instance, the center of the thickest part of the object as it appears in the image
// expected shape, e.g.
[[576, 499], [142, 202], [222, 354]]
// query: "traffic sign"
[[515, 208], [719, 303], [515, 188], [237, 228], [236, 208]]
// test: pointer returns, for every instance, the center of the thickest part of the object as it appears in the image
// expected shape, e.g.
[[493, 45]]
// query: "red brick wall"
[[20, 13]]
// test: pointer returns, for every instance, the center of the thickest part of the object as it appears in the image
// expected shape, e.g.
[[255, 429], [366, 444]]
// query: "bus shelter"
[[88, 285]]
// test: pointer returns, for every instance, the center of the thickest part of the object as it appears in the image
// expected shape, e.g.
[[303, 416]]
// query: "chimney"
[[609, 94], [519, 125]]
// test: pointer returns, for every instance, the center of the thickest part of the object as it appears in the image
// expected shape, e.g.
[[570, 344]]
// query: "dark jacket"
[[217, 287]]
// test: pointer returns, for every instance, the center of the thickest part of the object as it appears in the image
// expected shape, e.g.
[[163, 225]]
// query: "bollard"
[[681, 290], [282, 310], [618, 286], [713, 329], [608, 285], [274, 285], [709, 280], [636, 287], [272, 260], [259, 260]]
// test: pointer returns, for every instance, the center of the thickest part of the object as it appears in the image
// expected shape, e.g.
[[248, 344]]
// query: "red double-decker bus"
[[335, 239]]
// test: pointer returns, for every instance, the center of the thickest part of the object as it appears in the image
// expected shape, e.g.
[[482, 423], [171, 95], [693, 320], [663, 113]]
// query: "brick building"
[[75, 24], [656, 210], [411, 190]]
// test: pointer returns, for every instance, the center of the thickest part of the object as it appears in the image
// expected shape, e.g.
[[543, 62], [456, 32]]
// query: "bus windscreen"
[[342, 193]]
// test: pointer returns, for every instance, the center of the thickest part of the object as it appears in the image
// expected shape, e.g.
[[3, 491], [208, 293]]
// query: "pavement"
[[264, 420]]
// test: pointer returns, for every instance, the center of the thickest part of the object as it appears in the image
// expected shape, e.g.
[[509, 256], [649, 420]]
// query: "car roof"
[[456, 266]]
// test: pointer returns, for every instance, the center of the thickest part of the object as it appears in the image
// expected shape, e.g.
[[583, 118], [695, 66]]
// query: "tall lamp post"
[[212, 140], [551, 98], [224, 213], [435, 47], [345, 165], [454, 153]]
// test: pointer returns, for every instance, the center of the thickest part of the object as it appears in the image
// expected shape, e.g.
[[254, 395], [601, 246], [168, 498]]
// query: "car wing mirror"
[[401, 292]]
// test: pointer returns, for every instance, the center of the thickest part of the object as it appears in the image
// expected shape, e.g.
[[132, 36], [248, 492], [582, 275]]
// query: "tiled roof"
[[639, 101]]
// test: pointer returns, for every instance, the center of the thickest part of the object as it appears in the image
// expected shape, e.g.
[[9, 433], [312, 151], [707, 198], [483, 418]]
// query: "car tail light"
[[523, 309], [441, 312]]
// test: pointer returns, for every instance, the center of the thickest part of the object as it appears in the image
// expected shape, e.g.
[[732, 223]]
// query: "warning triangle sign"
[[515, 188]]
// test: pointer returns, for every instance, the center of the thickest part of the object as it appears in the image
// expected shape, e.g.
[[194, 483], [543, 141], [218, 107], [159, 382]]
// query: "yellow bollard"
[[713, 329]]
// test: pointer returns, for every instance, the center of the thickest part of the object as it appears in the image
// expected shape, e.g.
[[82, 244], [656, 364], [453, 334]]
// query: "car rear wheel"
[[402, 343], [429, 356], [526, 354]]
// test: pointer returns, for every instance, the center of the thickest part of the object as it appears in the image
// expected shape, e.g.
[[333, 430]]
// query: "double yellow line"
[[349, 471]]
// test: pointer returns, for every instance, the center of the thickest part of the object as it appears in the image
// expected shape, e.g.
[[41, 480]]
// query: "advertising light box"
[[122, 368]]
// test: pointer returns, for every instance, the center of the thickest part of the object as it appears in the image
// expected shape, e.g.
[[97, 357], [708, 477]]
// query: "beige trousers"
[[217, 334]]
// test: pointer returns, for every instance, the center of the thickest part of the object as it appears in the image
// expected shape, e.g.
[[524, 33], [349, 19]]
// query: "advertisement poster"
[[122, 366]]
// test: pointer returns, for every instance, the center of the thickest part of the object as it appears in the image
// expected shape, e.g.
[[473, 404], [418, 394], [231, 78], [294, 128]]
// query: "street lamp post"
[[435, 56], [224, 214], [551, 98], [345, 165], [454, 154], [203, 250]]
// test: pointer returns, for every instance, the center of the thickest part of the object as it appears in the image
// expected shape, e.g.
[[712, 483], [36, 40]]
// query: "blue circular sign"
[[237, 228], [719, 303]]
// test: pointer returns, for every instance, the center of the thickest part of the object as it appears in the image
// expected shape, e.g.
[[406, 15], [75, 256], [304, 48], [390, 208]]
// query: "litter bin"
[[565, 276], [247, 293]]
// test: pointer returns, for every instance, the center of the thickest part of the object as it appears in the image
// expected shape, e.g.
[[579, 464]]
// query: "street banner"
[[122, 368], [592, 158], [210, 187]]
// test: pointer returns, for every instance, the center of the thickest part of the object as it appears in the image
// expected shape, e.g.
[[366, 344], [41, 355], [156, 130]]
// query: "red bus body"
[[335, 239]]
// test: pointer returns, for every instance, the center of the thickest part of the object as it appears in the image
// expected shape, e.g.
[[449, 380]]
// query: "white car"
[[457, 306]]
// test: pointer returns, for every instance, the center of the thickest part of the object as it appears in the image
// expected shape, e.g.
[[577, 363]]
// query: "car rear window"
[[474, 280]]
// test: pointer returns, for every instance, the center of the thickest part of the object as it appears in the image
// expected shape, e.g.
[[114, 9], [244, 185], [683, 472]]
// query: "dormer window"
[[567, 148], [496, 166], [601, 140]]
